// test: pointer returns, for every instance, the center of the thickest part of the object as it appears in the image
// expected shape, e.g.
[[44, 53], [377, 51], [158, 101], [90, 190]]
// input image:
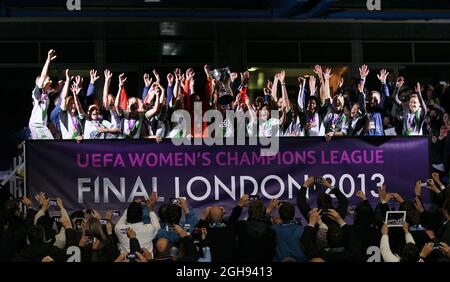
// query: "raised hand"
[[59, 203], [190, 74], [152, 200], [318, 70], [93, 75], [108, 75], [361, 195], [405, 227], [418, 188], [157, 77], [147, 80], [207, 70], [243, 200], [363, 72], [327, 74], [334, 215], [245, 76], [122, 80], [282, 76], [418, 88], [314, 216], [170, 79], [435, 177], [177, 74], [341, 82], [309, 182], [426, 250], [383, 76], [27, 202], [400, 81], [233, 76], [272, 205], [382, 193], [79, 81], [51, 55], [312, 83], [75, 89], [301, 80]]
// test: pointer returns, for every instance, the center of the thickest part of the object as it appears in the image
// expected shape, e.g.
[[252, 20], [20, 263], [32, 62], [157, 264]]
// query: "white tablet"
[[395, 218]]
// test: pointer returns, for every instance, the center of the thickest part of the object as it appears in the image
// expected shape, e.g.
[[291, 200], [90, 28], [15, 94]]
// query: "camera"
[[116, 213], [174, 201], [91, 239], [170, 227], [78, 223], [131, 256], [103, 221], [123, 231], [318, 180], [57, 219], [52, 201], [436, 246], [324, 212], [281, 203], [253, 198]]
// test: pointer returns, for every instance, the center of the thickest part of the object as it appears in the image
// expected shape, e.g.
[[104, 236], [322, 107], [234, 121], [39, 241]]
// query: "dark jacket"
[[305, 208], [256, 240], [349, 253], [221, 240], [36, 252]]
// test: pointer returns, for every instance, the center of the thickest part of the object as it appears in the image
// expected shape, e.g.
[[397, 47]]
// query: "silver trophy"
[[222, 75]]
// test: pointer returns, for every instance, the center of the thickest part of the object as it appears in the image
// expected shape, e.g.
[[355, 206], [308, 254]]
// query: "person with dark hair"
[[414, 110], [342, 244], [132, 217], [311, 110], [288, 232], [256, 240], [171, 215], [13, 227], [324, 201], [410, 252], [96, 245], [365, 226], [38, 249]]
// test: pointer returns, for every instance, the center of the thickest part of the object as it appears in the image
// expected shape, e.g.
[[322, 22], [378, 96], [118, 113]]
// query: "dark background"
[[410, 38]]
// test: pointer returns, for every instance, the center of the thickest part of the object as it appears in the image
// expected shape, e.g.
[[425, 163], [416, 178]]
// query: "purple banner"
[[106, 174]]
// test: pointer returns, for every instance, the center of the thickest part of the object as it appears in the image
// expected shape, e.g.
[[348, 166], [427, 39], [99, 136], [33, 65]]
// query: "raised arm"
[[122, 80], [147, 84], [91, 87], [51, 55], [108, 76], [150, 113], [326, 86], [301, 93], [64, 91], [284, 95], [398, 85], [422, 102], [275, 88], [76, 91], [385, 89]]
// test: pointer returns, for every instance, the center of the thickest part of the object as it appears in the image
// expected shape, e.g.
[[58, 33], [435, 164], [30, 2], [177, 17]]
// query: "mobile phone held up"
[[252, 198], [318, 180]]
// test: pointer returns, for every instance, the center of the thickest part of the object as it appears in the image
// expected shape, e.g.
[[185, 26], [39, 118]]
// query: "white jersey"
[[92, 127], [70, 125], [39, 117]]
